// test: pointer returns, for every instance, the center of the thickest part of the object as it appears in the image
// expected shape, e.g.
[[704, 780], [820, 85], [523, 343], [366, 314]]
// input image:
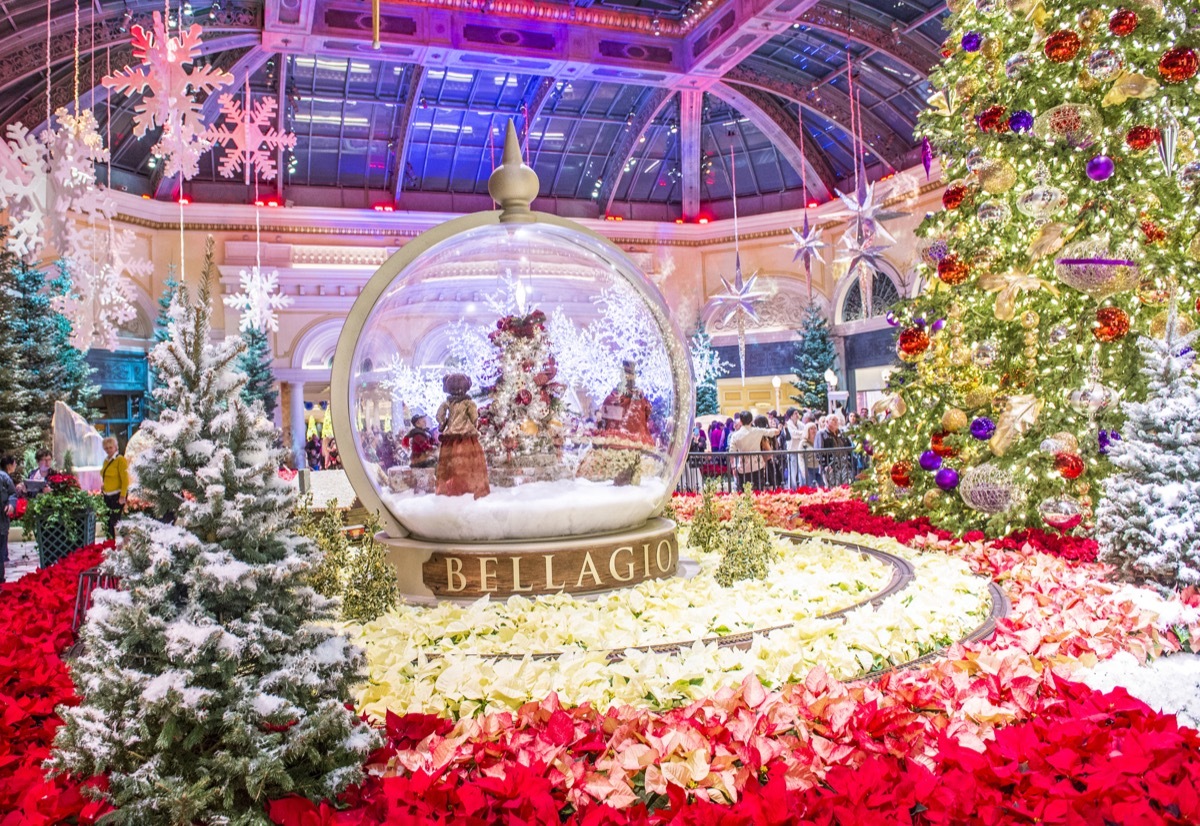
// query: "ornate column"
[[296, 407]]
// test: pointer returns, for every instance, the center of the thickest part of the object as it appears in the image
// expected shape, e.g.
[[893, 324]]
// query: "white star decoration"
[[248, 138], [807, 245], [740, 296], [260, 299], [168, 79], [864, 257], [865, 212]]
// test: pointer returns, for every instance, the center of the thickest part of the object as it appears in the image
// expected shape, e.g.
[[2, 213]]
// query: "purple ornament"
[[1106, 438], [919, 321], [971, 41], [926, 156], [938, 325], [930, 461], [891, 319], [946, 479], [1100, 168], [983, 428], [1020, 121]]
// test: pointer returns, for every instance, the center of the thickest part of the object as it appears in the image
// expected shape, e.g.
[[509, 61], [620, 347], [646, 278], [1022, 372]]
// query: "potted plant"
[[62, 518]]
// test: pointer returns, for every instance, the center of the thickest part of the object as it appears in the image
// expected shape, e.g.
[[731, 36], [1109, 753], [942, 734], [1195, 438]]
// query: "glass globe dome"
[[518, 381]]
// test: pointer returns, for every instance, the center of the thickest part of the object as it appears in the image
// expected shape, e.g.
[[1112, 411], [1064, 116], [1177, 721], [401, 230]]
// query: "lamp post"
[[776, 382]]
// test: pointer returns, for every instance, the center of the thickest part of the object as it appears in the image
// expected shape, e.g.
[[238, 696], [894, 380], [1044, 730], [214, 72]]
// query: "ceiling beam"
[[832, 105], [402, 129], [783, 130], [908, 28], [281, 111], [654, 103], [532, 108], [898, 44], [690, 108], [733, 31]]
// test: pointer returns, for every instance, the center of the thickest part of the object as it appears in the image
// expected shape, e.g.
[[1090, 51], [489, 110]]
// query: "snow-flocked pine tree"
[[707, 366], [13, 398], [1148, 523], [814, 355], [161, 323], [211, 681]]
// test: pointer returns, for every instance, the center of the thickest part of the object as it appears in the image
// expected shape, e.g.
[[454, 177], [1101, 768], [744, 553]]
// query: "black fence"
[[771, 469]]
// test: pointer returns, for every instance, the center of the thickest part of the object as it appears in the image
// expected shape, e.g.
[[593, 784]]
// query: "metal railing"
[[771, 469]]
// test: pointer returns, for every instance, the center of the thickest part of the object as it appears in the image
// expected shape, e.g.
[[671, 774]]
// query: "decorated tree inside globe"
[[212, 680], [814, 356], [1148, 523], [521, 420], [1067, 134]]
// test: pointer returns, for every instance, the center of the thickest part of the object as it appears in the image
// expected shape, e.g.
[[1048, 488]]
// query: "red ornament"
[[953, 270], [912, 342], [1178, 65], [993, 119], [1153, 232], [902, 474], [937, 443], [954, 195], [1112, 323], [1062, 46], [1198, 305], [1141, 138], [1123, 22], [1068, 465]]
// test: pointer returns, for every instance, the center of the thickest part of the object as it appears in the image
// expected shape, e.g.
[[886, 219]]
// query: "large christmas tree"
[[211, 679], [814, 356], [1148, 523], [1067, 133]]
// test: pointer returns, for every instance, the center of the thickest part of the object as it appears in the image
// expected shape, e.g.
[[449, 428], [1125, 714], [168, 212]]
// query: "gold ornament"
[[960, 356], [1031, 337], [966, 87], [1086, 82], [1020, 413], [977, 398], [1130, 85], [1090, 18], [997, 177], [956, 327], [1031, 351], [954, 420], [1030, 319], [930, 499], [1183, 324], [956, 310], [1019, 8], [992, 47], [1009, 287], [1194, 247], [1152, 291], [1147, 201], [1187, 138], [1066, 441]]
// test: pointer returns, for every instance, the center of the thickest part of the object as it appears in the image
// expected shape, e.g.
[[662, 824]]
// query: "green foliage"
[[748, 547], [371, 586], [255, 362], [62, 503], [814, 355], [327, 528], [1016, 332], [705, 531]]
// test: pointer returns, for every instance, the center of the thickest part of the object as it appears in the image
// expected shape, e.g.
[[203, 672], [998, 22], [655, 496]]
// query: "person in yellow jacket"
[[114, 481]]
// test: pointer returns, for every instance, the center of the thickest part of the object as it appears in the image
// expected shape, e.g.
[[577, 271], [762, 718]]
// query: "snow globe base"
[[448, 571]]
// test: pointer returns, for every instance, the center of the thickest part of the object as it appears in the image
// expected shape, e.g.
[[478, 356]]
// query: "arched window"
[[883, 295]]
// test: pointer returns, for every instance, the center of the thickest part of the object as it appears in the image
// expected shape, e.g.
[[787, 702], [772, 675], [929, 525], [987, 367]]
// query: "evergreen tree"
[[14, 399], [814, 355], [707, 366], [161, 322], [211, 681], [747, 544], [1148, 523], [76, 388], [704, 534], [255, 362], [1067, 132], [370, 585]]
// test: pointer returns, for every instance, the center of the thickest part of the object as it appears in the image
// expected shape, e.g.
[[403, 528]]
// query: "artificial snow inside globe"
[[519, 403]]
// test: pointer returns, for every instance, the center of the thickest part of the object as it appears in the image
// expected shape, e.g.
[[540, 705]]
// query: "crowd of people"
[[797, 449]]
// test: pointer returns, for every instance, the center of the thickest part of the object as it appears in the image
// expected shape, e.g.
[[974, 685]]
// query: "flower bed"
[[444, 660], [993, 732]]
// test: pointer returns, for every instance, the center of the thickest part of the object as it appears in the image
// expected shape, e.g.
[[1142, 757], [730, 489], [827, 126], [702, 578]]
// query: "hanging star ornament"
[[259, 300], [168, 78], [864, 257], [867, 214], [740, 296], [807, 245]]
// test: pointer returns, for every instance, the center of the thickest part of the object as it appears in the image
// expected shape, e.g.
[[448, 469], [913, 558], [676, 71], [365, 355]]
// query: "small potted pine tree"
[[62, 518]]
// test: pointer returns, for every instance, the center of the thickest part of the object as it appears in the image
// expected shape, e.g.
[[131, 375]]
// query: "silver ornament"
[[1041, 201], [1168, 141], [994, 213], [985, 353], [1103, 64], [1017, 65], [1059, 333], [1189, 176], [1060, 512], [1091, 268], [989, 489]]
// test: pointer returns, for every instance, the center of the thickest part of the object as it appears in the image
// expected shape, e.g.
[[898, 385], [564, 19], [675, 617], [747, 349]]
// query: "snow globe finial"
[[513, 185]]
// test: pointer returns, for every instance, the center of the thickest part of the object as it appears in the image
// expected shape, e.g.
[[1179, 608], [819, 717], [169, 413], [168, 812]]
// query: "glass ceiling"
[[357, 128]]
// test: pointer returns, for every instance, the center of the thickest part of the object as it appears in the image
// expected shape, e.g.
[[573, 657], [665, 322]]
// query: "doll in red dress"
[[462, 468]]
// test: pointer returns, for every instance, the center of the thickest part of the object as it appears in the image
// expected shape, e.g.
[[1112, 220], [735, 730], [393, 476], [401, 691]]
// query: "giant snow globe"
[[518, 401]]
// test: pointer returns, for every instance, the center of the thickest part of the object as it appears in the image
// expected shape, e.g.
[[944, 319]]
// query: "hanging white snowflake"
[[168, 79], [99, 303], [260, 300], [249, 138]]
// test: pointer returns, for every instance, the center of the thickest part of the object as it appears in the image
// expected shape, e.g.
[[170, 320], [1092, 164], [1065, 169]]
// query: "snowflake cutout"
[[260, 300], [249, 138], [169, 81], [101, 298]]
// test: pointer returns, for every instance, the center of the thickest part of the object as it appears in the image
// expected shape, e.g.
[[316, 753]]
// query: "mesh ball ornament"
[[1062, 46], [989, 489], [1142, 137], [1089, 266]]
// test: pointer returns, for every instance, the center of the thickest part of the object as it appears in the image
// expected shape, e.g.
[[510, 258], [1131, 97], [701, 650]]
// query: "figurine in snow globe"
[[461, 468], [564, 395]]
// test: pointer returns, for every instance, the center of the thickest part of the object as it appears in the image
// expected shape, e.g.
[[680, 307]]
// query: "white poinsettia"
[[444, 660]]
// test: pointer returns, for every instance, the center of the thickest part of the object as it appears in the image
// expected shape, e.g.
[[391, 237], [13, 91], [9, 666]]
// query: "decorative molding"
[[896, 44]]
